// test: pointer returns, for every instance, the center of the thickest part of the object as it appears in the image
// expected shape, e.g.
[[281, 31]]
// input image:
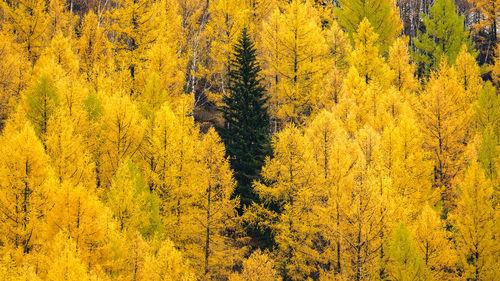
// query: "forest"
[[249, 140]]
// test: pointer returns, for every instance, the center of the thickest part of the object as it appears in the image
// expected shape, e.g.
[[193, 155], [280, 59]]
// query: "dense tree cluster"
[[249, 140]]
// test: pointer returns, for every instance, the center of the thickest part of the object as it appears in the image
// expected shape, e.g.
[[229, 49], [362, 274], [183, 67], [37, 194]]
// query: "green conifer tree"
[[488, 152], [487, 117], [246, 130], [488, 109], [444, 35], [382, 14], [406, 262]]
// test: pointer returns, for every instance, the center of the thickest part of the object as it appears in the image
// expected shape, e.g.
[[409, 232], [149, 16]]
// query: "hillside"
[[249, 140]]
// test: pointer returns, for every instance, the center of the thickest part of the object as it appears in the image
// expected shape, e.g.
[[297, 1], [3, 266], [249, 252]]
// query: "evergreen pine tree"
[[444, 35], [246, 130]]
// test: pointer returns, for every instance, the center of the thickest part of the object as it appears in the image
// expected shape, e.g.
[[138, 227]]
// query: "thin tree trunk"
[[207, 241]]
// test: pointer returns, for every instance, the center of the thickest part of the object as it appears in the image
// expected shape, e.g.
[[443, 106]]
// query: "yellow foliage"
[[60, 19], [443, 125], [168, 264], [366, 58], [408, 166], [337, 158], [258, 267], [339, 47], [433, 243], [404, 70], [217, 211], [71, 161], [228, 17], [25, 182], [293, 188], [165, 57], [468, 75], [475, 222], [294, 54], [174, 172], [122, 134], [64, 263], [13, 75], [27, 19], [110, 171], [80, 216], [94, 51], [136, 22]]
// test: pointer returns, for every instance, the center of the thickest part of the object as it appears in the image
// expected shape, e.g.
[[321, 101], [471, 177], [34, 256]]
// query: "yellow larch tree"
[[348, 109], [475, 226], [294, 54], [172, 170], [368, 80], [69, 156], [91, 131], [433, 241], [378, 106], [468, 75], [134, 207], [94, 51], [135, 27], [79, 214], [135, 254], [11, 270], [336, 158], [289, 184], [364, 103], [443, 127], [227, 18], [14, 74], [191, 175], [408, 166], [28, 20], [155, 95], [338, 44], [400, 63], [122, 133], [25, 182], [166, 56], [270, 56], [64, 263], [369, 220], [339, 48], [149, 103], [60, 19], [216, 214], [167, 263], [366, 57], [257, 267], [258, 12], [61, 64], [469, 79]]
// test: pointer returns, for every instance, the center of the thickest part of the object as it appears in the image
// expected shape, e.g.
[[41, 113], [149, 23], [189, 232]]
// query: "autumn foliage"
[[249, 140]]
